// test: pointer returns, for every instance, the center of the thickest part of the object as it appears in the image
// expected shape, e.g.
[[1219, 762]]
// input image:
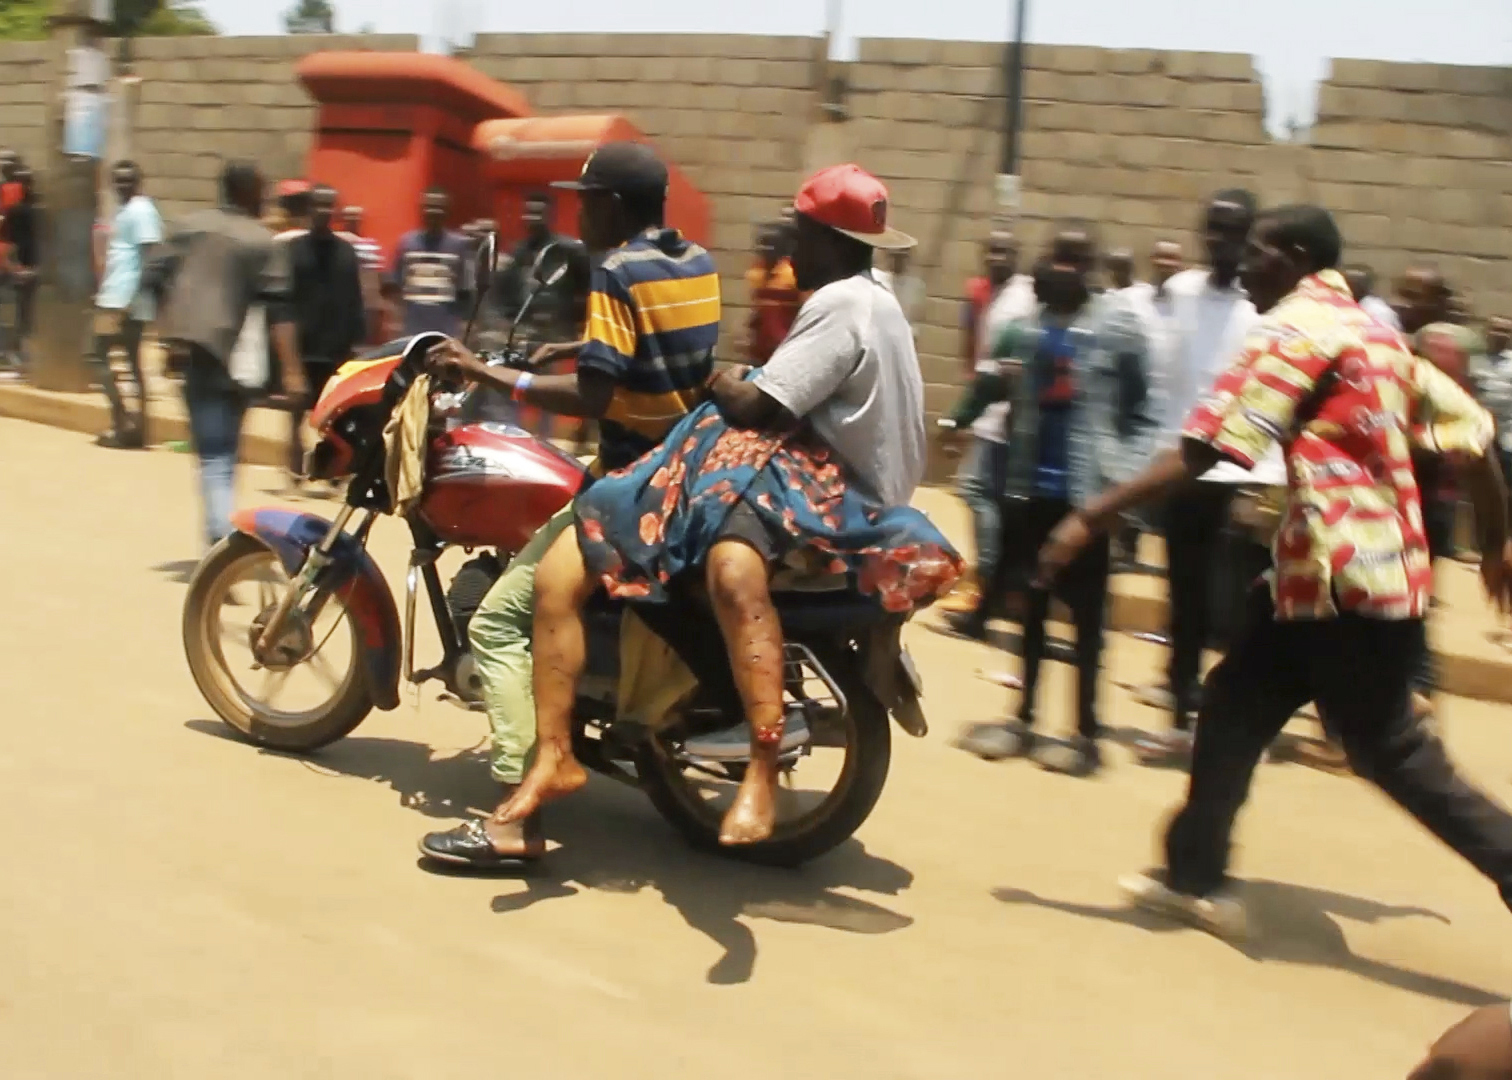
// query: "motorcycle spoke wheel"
[[276, 695]]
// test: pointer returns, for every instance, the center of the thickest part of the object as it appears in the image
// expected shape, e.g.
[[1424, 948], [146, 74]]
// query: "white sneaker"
[[734, 743], [1221, 914]]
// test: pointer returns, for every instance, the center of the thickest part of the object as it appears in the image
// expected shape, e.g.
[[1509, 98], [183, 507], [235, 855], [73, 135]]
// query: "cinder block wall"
[[1416, 159]]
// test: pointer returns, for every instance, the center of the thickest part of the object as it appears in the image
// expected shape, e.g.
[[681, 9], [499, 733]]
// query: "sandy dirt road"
[[176, 904]]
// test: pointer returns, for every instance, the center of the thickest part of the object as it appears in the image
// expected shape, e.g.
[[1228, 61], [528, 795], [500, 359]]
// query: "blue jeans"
[[980, 483], [216, 406]]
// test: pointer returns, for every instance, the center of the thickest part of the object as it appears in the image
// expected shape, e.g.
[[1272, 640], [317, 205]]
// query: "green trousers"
[[500, 633]]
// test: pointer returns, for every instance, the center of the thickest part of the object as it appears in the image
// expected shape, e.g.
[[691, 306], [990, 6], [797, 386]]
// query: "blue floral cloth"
[[642, 526]]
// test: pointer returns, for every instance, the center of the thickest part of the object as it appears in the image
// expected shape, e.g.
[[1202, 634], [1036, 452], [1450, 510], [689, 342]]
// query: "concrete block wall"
[[1131, 141], [1416, 162], [206, 99], [1415, 159], [731, 110]]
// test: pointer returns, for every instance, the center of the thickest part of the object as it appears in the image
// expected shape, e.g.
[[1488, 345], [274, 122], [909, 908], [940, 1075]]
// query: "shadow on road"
[[1295, 924], [613, 841], [178, 571]]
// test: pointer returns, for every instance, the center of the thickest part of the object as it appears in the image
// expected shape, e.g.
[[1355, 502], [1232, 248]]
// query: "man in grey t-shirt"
[[848, 365]]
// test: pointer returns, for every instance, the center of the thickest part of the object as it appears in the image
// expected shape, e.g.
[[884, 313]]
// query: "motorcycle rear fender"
[[891, 674], [354, 578]]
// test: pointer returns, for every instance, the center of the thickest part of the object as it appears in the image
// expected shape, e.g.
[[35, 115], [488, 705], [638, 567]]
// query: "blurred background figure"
[[20, 256], [773, 292], [1361, 281]]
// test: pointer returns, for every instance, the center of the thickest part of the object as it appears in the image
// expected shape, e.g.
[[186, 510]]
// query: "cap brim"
[[572, 185], [886, 240]]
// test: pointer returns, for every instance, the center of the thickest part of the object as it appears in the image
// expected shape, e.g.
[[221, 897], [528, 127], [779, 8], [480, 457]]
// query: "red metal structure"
[[392, 124]]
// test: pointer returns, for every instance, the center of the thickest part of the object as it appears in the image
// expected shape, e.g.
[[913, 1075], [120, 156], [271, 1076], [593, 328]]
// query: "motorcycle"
[[324, 613]]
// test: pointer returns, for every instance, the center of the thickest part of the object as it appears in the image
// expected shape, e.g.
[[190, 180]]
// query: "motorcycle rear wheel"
[[805, 838], [255, 721]]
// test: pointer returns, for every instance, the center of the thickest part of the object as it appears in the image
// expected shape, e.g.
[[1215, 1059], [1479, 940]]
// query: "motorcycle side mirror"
[[540, 269], [483, 270]]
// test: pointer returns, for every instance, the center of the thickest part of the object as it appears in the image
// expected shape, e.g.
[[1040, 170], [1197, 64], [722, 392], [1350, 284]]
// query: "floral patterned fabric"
[[1349, 401], [642, 526]]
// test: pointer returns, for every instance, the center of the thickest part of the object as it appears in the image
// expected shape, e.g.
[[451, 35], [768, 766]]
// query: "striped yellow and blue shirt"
[[653, 321]]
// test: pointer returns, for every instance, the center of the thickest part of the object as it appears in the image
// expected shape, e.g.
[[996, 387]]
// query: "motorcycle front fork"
[[317, 560]]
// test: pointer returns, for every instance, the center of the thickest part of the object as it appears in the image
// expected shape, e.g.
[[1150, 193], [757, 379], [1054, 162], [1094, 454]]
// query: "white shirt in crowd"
[[849, 366], [1381, 312], [1015, 301], [1207, 328]]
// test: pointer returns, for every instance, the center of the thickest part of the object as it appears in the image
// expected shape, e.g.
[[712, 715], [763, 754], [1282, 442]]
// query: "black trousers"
[[317, 374], [1358, 671], [1194, 520], [1082, 586]]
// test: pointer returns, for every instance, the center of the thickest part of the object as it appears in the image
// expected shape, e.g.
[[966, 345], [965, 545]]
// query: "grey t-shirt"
[[848, 365]]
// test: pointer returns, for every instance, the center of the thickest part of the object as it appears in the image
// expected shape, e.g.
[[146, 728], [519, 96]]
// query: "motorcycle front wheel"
[[694, 806], [313, 695]]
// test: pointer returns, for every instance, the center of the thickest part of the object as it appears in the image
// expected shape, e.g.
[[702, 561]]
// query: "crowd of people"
[[1098, 405]]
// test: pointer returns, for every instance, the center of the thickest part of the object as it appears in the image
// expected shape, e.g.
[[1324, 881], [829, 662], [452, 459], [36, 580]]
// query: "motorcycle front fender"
[[353, 577]]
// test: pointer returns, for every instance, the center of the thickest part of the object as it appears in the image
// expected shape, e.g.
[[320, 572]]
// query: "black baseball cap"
[[628, 169]]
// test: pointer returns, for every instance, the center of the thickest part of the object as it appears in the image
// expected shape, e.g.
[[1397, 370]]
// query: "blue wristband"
[[521, 385]]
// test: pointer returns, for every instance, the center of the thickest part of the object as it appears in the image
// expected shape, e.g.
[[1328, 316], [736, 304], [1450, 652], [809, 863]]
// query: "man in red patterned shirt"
[[1341, 618]]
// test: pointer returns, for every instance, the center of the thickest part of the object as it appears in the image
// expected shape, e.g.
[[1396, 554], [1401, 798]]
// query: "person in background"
[[1210, 318], [327, 305], [294, 208], [123, 307], [1118, 264], [1338, 622], [1077, 375], [1496, 386], [431, 275], [1153, 302], [1361, 280], [220, 263], [369, 251], [907, 286], [1425, 307], [993, 301], [773, 292], [22, 255]]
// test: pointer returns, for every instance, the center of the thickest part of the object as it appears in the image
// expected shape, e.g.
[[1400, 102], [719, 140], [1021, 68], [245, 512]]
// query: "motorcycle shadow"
[[611, 840]]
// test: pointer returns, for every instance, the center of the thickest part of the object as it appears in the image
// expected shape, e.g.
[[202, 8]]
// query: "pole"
[[1013, 114], [65, 290]]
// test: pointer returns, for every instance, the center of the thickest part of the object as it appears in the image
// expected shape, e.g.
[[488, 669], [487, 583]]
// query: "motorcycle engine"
[[467, 590]]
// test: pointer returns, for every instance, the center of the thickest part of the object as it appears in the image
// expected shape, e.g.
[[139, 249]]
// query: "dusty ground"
[[175, 904]]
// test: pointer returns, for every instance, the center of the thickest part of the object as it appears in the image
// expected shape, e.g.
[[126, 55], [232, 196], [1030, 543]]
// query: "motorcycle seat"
[[823, 612]]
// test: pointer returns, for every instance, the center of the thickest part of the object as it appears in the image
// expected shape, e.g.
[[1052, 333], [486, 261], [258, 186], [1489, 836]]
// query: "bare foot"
[[515, 839], [753, 815], [555, 773]]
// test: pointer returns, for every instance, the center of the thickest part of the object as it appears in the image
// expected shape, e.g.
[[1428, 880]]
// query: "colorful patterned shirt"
[[1348, 401], [653, 321]]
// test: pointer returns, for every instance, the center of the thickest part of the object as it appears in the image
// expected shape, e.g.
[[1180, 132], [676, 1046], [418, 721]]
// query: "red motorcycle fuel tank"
[[494, 485]]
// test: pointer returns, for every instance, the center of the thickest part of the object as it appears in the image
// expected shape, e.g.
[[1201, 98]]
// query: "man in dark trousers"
[[327, 303], [216, 267], [1340, 619]]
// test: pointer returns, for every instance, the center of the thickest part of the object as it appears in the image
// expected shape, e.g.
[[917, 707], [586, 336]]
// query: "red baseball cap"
[[293, 187], [851, 200]]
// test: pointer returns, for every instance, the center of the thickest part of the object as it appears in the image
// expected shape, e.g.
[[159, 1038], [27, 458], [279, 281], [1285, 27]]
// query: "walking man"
[[122, 307], [1341, 617], [224, 262]]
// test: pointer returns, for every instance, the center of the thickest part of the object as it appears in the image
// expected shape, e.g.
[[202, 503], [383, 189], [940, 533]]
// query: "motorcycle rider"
[[849, 374], [648, 349]]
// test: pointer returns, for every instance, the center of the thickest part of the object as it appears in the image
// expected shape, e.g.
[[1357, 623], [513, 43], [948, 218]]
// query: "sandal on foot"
[[470, 845]]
